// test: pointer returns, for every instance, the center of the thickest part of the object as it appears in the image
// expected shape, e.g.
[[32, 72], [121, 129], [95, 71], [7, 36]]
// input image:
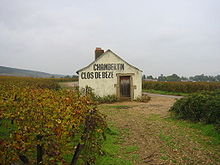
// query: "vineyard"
[[182, 87], [43, 124]]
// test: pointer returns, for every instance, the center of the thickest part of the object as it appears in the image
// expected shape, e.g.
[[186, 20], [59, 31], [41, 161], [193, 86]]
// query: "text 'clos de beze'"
[[102, 71]]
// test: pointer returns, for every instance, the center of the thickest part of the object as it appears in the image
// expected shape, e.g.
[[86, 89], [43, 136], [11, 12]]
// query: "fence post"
[[39, 151], [84, 138]]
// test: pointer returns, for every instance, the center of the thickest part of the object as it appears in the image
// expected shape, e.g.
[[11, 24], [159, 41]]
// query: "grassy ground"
[[164, 92], [113, 152]]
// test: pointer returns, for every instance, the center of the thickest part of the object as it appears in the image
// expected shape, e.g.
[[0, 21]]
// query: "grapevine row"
[[184, 87], [42, 124]]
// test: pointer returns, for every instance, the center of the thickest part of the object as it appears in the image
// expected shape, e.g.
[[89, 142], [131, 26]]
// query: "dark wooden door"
[[125, 86]]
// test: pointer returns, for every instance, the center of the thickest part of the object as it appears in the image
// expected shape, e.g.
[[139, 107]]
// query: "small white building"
[[111, 75]]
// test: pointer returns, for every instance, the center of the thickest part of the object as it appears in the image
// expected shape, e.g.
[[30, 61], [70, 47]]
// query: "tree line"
[[175, 77]]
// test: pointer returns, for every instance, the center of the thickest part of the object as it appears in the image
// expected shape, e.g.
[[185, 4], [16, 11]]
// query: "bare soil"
[[158, 140]]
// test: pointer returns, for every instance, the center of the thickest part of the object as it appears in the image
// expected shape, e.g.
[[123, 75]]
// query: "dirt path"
[[154, 94], [158, 140], [69, 84]]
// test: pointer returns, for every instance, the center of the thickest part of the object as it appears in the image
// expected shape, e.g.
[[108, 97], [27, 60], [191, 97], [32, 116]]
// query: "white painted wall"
[[103, 86]]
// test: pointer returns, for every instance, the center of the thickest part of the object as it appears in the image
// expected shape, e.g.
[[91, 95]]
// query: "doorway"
[[125, 86]]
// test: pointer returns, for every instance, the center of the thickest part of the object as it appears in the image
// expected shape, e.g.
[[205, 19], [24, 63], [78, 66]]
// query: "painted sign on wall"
[[102, 71]]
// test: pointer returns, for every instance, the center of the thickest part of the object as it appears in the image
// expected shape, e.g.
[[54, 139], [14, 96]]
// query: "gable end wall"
[[108, 86]]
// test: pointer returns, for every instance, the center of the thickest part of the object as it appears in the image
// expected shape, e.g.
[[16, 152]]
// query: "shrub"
[[143, 98], [88, 91], [199, 107], [106, 99]]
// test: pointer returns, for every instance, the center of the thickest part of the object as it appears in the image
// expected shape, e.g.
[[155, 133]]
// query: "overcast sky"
[[157, 36]]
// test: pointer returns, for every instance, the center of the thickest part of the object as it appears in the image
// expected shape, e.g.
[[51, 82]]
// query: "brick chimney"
[[98, 52]]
